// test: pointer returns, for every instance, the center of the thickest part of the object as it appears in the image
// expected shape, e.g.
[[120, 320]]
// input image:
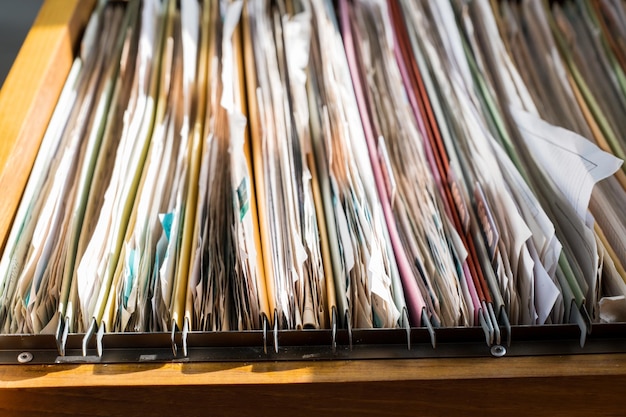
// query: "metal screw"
[[498, 351], [25, 357]]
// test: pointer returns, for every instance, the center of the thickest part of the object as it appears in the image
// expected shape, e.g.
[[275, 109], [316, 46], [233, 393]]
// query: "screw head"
[[498, 351]]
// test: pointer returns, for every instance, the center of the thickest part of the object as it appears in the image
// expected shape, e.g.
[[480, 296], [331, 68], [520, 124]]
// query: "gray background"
[[16, 18]]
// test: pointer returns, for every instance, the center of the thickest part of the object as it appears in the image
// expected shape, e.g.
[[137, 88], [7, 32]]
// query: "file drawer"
[[543, 371]]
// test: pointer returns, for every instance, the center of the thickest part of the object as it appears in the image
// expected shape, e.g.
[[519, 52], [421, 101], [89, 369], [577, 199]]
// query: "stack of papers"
[[238, 165]]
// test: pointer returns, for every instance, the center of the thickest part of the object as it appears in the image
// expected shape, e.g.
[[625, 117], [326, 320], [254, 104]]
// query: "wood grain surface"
[[276, 373], [591, 385]]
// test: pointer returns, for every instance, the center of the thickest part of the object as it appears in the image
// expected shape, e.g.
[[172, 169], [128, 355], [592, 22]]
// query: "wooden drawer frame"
[[590, 384]]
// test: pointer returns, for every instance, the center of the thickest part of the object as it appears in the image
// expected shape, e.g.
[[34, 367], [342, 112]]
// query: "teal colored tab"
[[167, 220]]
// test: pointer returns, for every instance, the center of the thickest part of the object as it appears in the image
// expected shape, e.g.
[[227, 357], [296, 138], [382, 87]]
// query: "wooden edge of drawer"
[[316, 372], [30, 93], [27, 101]]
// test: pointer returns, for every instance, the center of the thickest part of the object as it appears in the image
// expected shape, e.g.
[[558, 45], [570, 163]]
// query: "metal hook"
[[485, 323], [265, 323], [349, 325], [431, 330], [275, 331], [496, 327], [90, 332], [504, 318], [66, 331], [173, 337], [580, 319], [334, 329], [99, 337], [407, 327], [184, 335], [61, 335]]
